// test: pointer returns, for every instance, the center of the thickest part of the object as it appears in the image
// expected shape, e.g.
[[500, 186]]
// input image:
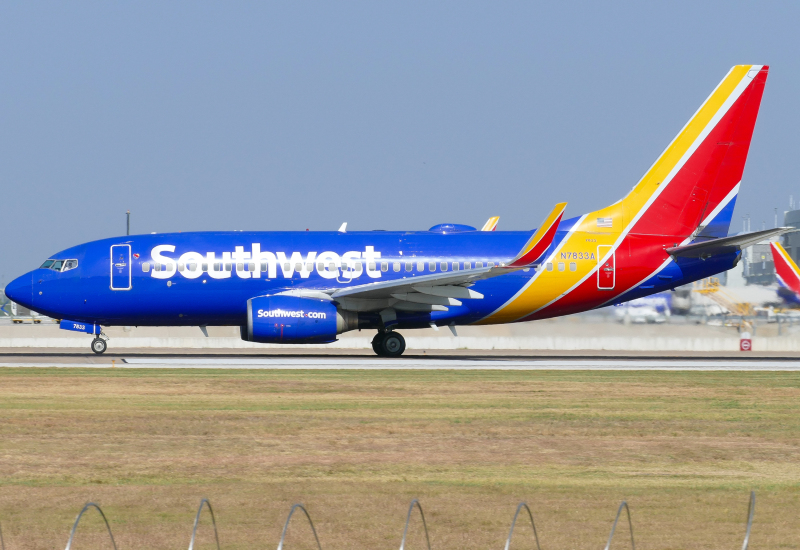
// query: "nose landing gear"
[[389, 344], [98, 345]]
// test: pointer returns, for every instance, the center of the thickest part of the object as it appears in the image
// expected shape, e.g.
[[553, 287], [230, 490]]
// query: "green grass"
[[684, 448]]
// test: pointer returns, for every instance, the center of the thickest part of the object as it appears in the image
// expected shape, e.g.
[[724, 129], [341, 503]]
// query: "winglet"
[[343, 228], [541, 240], [491, 224]]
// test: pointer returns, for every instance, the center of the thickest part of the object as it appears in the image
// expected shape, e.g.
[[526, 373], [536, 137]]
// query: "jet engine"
[[281, 319]]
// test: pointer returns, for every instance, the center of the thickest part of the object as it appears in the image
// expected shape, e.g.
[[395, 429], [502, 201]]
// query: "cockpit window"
[[60, 265]]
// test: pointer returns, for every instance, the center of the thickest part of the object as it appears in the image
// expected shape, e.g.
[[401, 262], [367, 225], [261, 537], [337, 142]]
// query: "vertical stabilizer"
[[786, 270]]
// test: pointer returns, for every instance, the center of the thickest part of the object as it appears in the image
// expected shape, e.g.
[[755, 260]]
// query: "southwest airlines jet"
[[308, 287]]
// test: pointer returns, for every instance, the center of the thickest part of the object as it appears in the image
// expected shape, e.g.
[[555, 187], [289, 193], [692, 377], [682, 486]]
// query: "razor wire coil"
[[78, 520], [207, 503], [288, 519], [416, 503], [751, 511], [613, 527], [520, 506]]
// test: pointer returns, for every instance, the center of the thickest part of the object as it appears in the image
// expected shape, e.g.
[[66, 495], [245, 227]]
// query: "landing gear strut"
[[98, 345], [389, 344]]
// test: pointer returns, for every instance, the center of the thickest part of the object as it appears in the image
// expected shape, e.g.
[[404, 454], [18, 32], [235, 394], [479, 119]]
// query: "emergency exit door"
[[121, 267], [606, 274]]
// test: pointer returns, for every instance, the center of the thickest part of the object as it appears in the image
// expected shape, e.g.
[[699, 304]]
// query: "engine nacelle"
[[295, 320]]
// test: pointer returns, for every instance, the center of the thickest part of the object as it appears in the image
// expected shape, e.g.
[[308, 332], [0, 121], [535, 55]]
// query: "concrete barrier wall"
[[541, 335]]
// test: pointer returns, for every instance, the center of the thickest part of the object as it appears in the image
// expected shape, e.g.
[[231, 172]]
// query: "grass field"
[[355, 447]]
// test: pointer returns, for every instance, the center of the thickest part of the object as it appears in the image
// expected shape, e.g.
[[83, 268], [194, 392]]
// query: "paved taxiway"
[[357, 361]]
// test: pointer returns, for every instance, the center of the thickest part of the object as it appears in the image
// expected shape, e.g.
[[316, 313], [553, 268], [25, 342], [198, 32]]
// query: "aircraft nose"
[[20, 290]]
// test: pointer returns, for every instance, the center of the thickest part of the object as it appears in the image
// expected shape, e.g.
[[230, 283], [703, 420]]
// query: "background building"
[[791, 241]]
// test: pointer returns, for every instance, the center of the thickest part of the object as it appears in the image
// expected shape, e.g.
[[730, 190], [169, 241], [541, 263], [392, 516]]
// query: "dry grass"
[[356, 446]]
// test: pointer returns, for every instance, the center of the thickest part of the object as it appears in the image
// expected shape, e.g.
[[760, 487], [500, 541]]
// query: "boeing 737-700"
[[308, 287]]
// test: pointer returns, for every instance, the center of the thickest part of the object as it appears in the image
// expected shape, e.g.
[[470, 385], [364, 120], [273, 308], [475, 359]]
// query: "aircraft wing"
[[436, 291], [725, 245]]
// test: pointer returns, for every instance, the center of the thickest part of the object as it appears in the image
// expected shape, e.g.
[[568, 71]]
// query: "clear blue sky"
[[296, 115]]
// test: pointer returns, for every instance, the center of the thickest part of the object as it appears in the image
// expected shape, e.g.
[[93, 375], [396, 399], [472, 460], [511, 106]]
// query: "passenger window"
[[396, 267], [443, 266], [263, 266], [371, 266], [228, 267], [358, 266], [420, 266], [158, 267], [456, 266], [384, 266], [239, 267], [561, 266], [478, 264], [432, 266], [409, 266], [489, 264], [47, 264], [573, 266], [205, 267], [320, 266], [217, 266], [467, 265], [146, 267], [287, 267], [180, 266], [549, 266], [332, 266], [192, 266]]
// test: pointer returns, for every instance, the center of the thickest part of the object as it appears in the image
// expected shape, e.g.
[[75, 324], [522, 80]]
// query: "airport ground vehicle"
[[307, 287]]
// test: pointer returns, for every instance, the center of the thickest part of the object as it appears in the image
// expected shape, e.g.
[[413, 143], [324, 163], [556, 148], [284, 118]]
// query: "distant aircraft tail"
[[786, 270], [491, 224]]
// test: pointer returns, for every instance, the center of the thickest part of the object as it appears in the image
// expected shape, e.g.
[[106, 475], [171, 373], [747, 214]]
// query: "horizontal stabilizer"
[[541, 240], [725, 245]]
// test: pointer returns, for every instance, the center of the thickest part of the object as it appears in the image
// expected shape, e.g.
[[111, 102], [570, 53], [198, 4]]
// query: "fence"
[[204, 503]]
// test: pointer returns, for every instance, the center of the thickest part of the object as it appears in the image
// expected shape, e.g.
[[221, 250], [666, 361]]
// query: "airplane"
[[308, 287], [787, 273]]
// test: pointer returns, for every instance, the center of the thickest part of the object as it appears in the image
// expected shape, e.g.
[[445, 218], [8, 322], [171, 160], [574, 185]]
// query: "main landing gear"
[[98, 345], [389, 344]]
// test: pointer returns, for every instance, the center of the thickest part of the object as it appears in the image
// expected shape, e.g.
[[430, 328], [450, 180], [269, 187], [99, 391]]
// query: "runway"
[[414, 362]]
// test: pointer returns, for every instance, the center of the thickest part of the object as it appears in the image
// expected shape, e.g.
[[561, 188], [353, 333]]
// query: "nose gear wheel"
[[98, 346]]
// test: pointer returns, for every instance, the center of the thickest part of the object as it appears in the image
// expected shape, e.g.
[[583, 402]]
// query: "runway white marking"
[[422, 363]]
